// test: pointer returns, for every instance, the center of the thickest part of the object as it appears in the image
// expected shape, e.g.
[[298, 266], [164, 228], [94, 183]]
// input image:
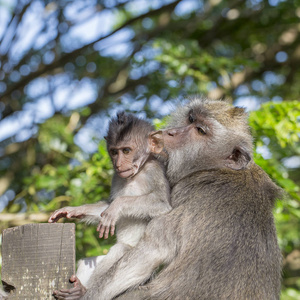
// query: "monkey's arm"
[[150, 198], [145, 206], [89, 213], [137, 265]]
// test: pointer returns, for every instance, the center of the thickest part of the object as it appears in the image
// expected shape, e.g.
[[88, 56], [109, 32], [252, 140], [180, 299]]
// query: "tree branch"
[[70, 56]]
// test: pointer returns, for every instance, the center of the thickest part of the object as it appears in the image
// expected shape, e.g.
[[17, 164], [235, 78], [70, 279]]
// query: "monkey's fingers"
[[99, 226], [101, 231], [106, 234], [56, 216], [74, 279], [71, 294], [112, 230], [52, 220]]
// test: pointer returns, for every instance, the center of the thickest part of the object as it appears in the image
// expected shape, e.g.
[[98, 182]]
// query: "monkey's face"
[[203, 143], [122, 157], [196, 130]]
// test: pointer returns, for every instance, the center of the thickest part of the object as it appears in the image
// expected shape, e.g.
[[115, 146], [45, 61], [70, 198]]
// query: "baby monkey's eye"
[[113, 152], [200, 130], [191, 119], [126, 150]]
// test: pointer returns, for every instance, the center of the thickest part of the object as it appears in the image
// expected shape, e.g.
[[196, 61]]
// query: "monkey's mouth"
[[126, 173]]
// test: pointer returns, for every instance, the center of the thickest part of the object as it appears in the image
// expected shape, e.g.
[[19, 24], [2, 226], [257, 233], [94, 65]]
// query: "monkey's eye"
[[191, 119], [126, 150], [113, 152], [201, 131]]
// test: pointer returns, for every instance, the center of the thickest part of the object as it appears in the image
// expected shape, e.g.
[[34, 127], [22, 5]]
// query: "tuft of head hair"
[[126, 126]]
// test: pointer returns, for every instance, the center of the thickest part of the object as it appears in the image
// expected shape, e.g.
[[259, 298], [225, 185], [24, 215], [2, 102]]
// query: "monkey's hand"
[[109, 217], [67, 212], [72, 294]]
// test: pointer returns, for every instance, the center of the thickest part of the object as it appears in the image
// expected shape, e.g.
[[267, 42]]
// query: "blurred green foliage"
[[72, 179], [276, 129]]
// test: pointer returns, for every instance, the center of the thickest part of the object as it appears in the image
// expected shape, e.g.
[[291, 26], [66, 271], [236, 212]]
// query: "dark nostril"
[[170, 133]]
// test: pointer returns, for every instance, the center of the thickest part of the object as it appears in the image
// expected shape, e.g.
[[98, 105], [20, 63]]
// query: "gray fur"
[[219, 241], [133, 201]]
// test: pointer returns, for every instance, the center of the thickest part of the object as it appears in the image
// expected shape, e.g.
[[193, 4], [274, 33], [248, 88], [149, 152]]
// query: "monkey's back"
[[226, 246]]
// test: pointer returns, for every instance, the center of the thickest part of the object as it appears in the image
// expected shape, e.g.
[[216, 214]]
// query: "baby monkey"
[[139, 191]]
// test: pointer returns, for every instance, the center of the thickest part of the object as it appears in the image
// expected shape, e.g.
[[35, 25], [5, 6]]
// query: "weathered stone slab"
[[37, 259]]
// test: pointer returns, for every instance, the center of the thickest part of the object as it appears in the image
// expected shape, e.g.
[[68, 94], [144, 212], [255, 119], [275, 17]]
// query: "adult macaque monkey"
[[139, 192], [219, 240]]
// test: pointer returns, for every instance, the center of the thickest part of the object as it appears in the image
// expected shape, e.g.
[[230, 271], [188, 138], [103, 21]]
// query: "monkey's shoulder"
[[251, 184], [152, 171], [154, 166], [142, 183], [255, 180], [262, 183]]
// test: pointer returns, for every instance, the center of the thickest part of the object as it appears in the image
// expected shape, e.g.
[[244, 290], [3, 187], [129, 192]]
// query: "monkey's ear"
[[237, 111], [238, 160], [156, 142]]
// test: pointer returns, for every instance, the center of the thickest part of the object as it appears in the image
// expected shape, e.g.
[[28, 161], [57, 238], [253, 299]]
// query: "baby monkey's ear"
[[156, 142]]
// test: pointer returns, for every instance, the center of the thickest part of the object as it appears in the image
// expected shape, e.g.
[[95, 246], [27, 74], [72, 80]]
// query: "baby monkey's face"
[[122, 157]]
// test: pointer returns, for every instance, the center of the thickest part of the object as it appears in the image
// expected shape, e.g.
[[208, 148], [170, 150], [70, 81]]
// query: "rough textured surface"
[[37, 259]]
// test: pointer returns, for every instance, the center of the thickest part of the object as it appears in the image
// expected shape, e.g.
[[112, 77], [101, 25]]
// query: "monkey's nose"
[[177, 131]]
